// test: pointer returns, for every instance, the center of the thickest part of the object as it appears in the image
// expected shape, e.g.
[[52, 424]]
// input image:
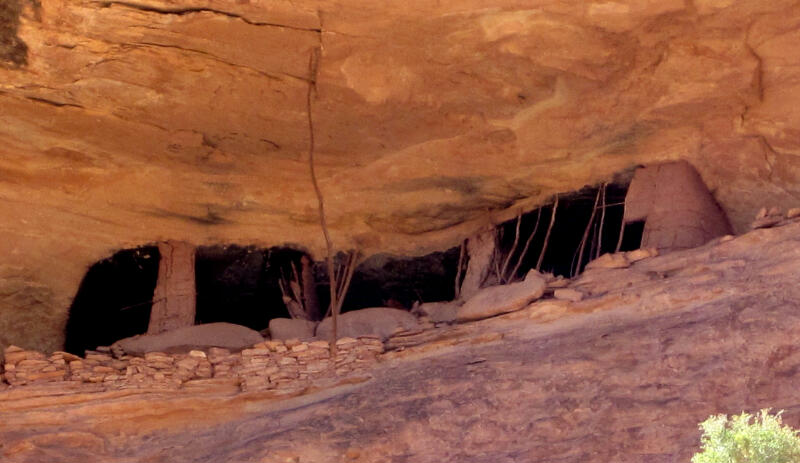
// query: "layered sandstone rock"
[[126, 123], [500, 299], [624, 375], [381, 322], [226, 335]]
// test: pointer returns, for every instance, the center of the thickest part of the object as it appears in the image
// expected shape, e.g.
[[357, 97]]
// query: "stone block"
[[377, 321], [288, 328], [497, 300]]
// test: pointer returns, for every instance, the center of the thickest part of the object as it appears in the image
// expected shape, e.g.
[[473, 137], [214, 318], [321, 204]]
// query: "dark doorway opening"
[[113, 300], [237, 284], [384, 280], [241, 285], [13, 51], [632, 236], [572, 216]]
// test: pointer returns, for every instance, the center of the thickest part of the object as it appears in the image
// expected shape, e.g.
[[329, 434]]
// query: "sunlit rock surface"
[[128, 122], [623, 375]]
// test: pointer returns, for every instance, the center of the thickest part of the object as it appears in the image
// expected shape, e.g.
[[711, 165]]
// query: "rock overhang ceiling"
[[132, 122]]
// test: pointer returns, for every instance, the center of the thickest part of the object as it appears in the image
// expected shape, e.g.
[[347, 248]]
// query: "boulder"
[[497, 300], [439, 312], [609, 261], [291, 328], [567, 294], [767, 222], [641, 254], [375, 321], [225, 335], [559, 282]]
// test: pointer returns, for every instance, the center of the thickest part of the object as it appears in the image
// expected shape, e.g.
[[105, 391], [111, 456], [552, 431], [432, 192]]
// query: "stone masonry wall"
[[269, 365]]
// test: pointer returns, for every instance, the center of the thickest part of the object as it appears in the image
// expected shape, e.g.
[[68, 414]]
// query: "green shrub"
[[739, 440]]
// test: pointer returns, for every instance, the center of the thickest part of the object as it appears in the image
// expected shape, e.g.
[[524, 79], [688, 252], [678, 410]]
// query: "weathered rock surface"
[[496, 300], [624, 375], [567, 294], [618, 260], [641, 254], [288, 328], [376, 321], [225, 335], [439, 312], [125, 123]]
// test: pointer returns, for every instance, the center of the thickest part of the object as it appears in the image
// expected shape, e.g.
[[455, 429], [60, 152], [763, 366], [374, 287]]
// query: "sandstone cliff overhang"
[[130, 122]]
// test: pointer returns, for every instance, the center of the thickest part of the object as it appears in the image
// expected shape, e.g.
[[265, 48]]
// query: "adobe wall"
[[678, 210]]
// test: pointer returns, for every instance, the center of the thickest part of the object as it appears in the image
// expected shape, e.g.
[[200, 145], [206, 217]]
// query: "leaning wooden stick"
[[602, 222], [457, 292], [527, 244], [547, 235], [313, 63], [621, 231], [507, 260], [586, 234]]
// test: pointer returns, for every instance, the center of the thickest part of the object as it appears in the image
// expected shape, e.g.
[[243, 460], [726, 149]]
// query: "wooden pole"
[[313, 62], [460, 268], [547, 235], [602, 223], [586, 234], [507, 260], [527, 244]]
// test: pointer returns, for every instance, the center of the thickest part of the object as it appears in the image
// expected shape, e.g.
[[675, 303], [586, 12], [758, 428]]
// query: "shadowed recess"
[[234, 284], [237, 284], [395, 281], [572, 216], [13, 51], [114, 300]]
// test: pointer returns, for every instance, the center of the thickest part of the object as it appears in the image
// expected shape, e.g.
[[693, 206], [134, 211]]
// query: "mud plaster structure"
[[677, 209], [175, 297]]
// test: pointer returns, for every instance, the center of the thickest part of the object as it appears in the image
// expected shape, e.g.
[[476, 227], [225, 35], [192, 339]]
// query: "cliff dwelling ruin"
[[127, 294], [357, 231]]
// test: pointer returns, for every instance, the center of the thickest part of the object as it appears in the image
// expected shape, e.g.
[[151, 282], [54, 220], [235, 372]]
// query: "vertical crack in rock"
[[13, 51], [758, 73], [770, 153]]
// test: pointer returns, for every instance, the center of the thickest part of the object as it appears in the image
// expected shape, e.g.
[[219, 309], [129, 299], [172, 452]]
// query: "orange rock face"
[[126, 123], [623, 375]]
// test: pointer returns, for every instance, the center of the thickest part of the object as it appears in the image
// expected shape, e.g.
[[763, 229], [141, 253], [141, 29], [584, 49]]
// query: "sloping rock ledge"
[[623, 375]]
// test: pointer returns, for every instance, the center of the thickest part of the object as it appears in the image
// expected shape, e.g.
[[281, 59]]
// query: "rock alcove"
[[240, 285], [145, 122], [243, 284]]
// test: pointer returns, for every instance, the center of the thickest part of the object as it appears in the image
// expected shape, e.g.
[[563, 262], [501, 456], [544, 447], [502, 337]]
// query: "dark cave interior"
[[240, 284]]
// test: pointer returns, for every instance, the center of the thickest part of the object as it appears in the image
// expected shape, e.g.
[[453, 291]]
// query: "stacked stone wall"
[[270, 365]]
